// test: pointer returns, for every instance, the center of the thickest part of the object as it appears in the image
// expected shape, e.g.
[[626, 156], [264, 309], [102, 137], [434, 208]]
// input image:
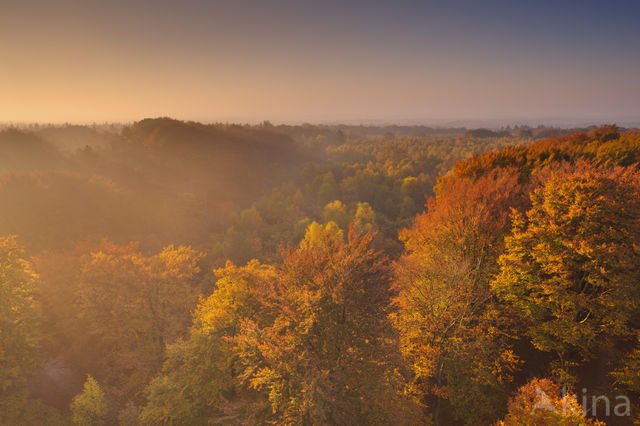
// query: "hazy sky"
[[318, 60]]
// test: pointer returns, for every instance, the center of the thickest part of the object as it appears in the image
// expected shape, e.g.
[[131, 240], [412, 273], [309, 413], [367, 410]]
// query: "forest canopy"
[[170, 272]]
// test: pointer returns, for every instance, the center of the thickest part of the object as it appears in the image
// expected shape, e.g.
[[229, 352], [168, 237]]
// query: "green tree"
[[89, 408], [328, 190], [414, 189]]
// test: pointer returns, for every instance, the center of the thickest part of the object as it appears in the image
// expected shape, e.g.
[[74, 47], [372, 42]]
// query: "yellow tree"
[[19, 317], [20, 336], [200, 380], [130, 307], [572, 266], [89, 408]]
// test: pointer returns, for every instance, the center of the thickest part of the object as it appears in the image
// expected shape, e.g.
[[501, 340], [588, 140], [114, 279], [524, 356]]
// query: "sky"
[[319, 61]]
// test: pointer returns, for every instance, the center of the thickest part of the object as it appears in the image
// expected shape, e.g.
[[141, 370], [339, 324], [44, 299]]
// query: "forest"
[[181, 273]]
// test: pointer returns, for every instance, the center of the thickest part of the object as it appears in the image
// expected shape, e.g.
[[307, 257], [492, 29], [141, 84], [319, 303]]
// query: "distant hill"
[[25, 151], [184, 137], [485, 133], [69, 138], [229, 161]]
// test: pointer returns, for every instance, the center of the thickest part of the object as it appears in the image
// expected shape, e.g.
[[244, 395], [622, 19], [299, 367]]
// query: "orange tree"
[[542, 402], [452, 332]]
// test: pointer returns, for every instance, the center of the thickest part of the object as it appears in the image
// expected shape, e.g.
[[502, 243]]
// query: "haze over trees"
[[172, 272]]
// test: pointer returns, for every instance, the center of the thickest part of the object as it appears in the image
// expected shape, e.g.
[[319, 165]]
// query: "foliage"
[[327, 356], [542, 402], [306, 341], [199, 380], [452, 333], [524, 264], [19, 328], [572, 266], [379, 183], [89, 408], [123, 308]]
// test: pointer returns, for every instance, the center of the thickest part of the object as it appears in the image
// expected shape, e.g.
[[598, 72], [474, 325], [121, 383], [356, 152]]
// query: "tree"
[[328, 190], [627, 375], [336, 212], [542, 402], [572, 264], [327, 356], [412, 188], [304, 341], [200, 378], [20, 334], [452, 333], [123, 308], [364, 219], [89, 408]]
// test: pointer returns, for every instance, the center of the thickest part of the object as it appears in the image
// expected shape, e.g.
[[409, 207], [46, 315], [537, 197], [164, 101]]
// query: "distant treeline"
[[165, 181]]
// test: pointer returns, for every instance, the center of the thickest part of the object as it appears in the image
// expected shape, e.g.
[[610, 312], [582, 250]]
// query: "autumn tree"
[[542, 402], [200, 380], [572, 265], [123, 308], [364, 219], [304, 341], [19, 330], [452, 333], [336, 212], [328, 355], [627, 375]]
